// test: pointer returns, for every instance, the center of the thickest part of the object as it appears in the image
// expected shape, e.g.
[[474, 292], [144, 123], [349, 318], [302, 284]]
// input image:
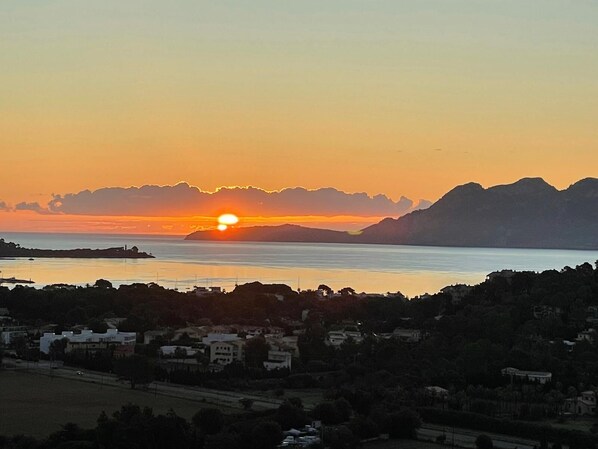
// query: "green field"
[[37, 405], [402, 444]]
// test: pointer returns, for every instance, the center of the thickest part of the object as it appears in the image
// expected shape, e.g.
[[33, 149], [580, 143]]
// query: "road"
[[203, 395]]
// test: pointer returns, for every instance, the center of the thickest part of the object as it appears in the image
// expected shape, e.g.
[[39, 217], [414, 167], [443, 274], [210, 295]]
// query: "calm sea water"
[[182, 264]]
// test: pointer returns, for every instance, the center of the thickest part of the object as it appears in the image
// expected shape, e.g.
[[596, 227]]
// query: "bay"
[[181, 264]]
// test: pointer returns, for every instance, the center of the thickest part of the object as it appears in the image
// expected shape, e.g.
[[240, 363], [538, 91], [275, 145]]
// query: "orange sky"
[[32, 221], [400, 98]]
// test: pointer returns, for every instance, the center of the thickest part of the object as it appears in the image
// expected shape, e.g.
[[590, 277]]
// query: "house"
[[278, 360], [338, 337], [541, 377], [111, 336], [150, 336], [588, 335], [288, 343], [504, 274], [457, 292], [170, 351], [301, 438], [207, 291], [8, 334], [408, 335], [226, 352], [217, 337], [582, 405], [193, 332], [436, 392]]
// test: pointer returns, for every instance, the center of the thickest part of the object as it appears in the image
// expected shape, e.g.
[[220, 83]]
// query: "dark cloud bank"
[[183, 199]]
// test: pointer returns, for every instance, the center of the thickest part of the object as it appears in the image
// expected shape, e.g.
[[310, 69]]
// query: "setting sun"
[[228, 219]]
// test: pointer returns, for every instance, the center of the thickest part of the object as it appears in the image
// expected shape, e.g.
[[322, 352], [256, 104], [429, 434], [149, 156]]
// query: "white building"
[[408, 335], [541, 377], [88, 336], [169, 351], [337, 338], [226, 352], [287, 343], [207, 291], [587, 335], [214, 337], [582, 405], [278, 360]]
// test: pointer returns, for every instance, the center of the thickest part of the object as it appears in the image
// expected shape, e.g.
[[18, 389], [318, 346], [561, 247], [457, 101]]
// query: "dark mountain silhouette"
[[529, 213], [10, 249], [283, 233]]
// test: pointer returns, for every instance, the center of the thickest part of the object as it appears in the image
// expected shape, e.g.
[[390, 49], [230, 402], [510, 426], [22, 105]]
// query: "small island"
[[10, 249]]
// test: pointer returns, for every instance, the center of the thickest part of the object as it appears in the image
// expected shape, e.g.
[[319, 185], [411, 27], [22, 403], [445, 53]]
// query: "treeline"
[[209, 428]]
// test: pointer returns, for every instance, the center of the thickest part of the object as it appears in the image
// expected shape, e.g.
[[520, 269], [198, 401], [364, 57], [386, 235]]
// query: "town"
[[513, 357]]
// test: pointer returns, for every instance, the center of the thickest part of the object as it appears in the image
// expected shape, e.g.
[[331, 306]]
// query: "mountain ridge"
[[529, 213]]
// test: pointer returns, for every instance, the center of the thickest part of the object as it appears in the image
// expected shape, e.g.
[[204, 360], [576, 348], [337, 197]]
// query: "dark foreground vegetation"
[[451, 374]]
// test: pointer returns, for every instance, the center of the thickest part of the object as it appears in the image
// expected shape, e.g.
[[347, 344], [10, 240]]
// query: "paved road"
[[203, 395]]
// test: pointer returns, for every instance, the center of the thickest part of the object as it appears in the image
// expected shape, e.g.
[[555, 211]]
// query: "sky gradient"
[[392, 97]]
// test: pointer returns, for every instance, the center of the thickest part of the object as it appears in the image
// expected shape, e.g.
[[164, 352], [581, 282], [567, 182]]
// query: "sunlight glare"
[[228, 219]]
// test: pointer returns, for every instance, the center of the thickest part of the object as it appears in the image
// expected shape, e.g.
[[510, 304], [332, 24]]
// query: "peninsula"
[[10, 249]]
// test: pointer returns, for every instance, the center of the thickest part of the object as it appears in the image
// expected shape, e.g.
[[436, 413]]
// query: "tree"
[[363, 427], [137, 369], [97, 325], [256, 352], [103, 283], [327, 413], [221, 440], [21, 345], [209, 420], [344, 409], [339, 437], [288, 416], [403, 424], [180, 353], [484, 442], [57, 349], [266, 435]]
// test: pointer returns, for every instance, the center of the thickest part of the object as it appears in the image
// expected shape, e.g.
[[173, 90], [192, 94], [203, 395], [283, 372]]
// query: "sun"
[[226, 220]]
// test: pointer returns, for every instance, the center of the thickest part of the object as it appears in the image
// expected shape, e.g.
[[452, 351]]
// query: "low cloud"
[[35, 207], [185, 200], [4, 207]]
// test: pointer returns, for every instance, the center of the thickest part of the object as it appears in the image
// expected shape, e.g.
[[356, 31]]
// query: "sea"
[[182, 265]]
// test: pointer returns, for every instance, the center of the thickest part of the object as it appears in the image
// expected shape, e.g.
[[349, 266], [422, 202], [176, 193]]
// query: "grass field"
[[38, 405], [402, 444]]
